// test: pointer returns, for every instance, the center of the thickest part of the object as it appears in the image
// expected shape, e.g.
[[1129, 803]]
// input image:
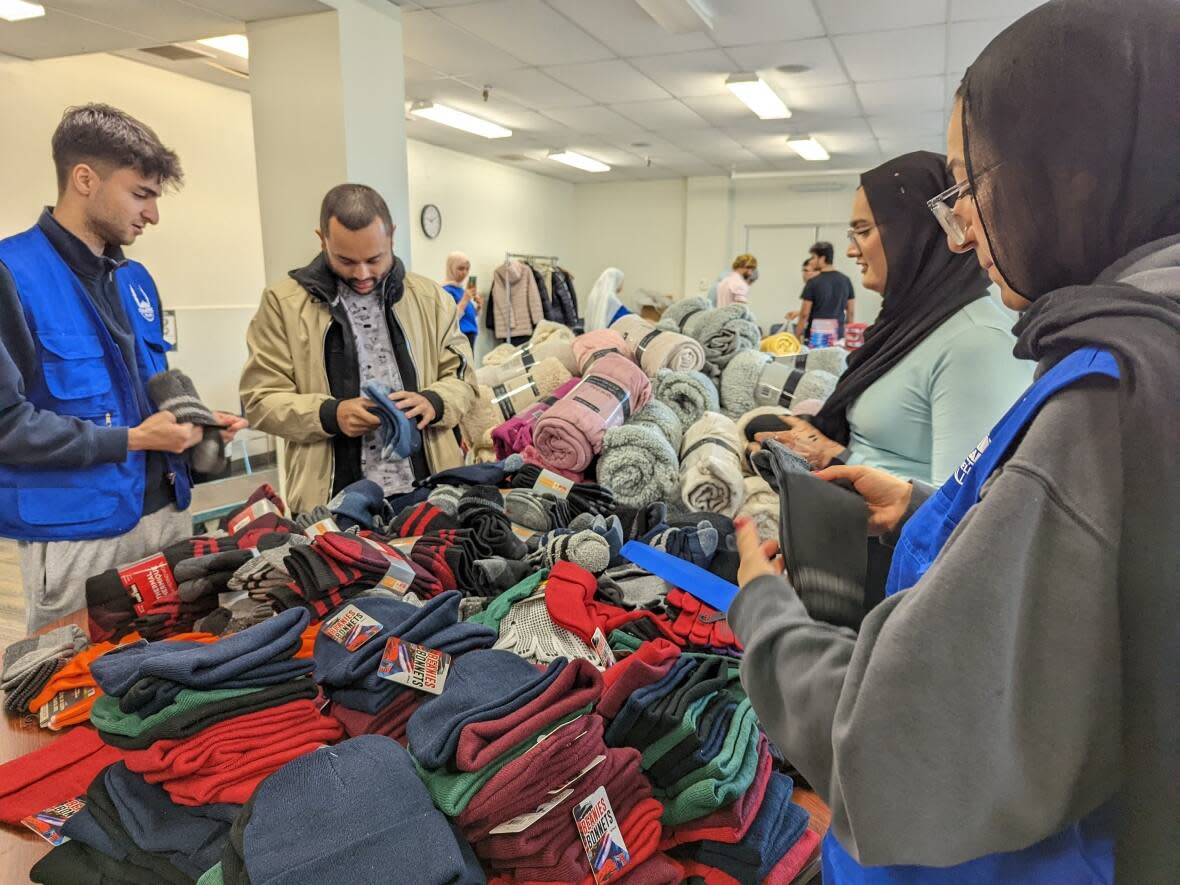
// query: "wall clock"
[[431, 221]]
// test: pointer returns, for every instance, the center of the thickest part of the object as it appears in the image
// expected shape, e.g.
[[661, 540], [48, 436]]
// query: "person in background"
[[734, 287], [603, 306], [1009, 713], [355, 314], [90, 473], [809, 272], [461, 286], [936, 369], [828, 295]]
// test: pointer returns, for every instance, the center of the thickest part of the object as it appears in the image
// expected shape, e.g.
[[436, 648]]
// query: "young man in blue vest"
[[91, 476]]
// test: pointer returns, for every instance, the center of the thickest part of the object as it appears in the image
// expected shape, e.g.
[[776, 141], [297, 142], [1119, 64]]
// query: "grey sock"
[[529, 509], [446, 499]]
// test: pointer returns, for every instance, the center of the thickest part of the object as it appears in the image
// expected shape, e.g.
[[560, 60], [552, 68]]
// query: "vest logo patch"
[[969, 462], [144, 303]]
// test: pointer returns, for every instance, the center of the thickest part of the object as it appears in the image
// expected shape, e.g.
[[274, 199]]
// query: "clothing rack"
[[529, 259]]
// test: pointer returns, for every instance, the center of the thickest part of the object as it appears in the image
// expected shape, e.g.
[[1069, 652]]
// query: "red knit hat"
[[53, 774]]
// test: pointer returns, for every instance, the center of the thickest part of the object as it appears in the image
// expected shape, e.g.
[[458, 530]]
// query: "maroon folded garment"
[[528, 780], [516, 434], [480, 743], [730, 823], [389, 720], [633, 673]]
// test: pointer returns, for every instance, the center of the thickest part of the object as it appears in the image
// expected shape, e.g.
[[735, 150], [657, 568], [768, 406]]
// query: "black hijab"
[[1072, 131], [925, 284]]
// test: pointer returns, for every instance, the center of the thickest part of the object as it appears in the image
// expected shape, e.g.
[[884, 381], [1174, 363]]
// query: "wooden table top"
[[20, 847]]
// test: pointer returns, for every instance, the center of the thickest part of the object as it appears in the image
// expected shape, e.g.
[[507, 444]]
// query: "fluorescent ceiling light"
[[18, 10], [758, 96], [679, 16], [440, 113], [578, 161], [232, 44], [808, 149]]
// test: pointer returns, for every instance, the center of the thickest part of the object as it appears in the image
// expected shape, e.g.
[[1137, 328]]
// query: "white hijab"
[[604, 301]]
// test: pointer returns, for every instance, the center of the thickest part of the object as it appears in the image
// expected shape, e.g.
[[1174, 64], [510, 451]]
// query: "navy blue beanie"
[[357, 505]]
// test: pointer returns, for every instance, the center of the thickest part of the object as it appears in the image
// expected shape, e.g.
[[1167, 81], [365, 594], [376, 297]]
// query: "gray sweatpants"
[[54, 573]]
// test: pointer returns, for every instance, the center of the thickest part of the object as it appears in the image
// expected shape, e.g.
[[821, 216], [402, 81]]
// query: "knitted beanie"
[[357, 504], [24, 655], [739, 380], [52, 774]]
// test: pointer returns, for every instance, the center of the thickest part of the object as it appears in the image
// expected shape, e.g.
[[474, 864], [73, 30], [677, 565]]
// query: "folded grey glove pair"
[[173, 391]]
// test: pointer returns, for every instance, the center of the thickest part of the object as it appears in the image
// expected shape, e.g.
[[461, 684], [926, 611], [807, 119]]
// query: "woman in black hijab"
[[939, 399], [1010, 713]]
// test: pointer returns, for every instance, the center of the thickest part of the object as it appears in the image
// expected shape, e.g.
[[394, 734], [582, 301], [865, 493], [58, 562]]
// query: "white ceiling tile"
[[665, 115], [902, 125], [596, 119], [702, 141], [819, 55], [416, 70], [973, 10], [895, 147], [836, 101], [535, 89], [256, 10], [913, 52], [721, 110], [859, 17], [900, 96], [528, 29], [608, 81], [966, 40], [432, 4], [689, 73], [742, 22], [952, 86], [430, 39], [626, 28]]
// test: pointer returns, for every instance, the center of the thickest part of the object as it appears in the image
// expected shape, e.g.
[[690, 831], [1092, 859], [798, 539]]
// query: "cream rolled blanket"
[[497, 403], [549, 340], [711, 466], [657, 348]]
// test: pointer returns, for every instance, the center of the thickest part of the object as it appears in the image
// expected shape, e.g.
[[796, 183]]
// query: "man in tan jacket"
[[352, 315]]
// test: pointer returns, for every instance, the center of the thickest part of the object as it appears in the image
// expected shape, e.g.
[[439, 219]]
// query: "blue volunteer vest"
[[82, 374], [1082, 854]]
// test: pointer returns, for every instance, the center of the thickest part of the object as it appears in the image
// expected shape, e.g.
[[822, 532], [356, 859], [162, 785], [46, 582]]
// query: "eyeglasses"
[[857, 234], [943, 207]]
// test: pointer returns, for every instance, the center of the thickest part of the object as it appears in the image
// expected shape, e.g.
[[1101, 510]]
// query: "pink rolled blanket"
[[570, 433], [657, 349], [516, 434], [597, 344]]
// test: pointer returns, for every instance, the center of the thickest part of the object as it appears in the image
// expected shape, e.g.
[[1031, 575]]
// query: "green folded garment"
[[687, 726], [723, 780], [499, 607], [191, 712], [212, 876], [620, 641], [452, 791]]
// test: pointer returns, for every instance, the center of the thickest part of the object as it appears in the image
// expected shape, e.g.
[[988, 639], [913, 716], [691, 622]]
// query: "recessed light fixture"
[[679, 16], [19, 10], [809, 149], [793, 69], [440, 113], [579, 161], [641, 144], [757, 95], [232, 44]]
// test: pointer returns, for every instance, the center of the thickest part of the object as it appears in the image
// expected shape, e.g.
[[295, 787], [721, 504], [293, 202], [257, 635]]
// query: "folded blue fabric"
[[82, 827], [259, 651], [399, 435], [482, 686], [492, 473], [616, 732], [357, 505], [780, 823], [373, 821]]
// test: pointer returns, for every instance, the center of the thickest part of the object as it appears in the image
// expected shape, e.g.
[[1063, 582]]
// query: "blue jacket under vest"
[[72, 380]]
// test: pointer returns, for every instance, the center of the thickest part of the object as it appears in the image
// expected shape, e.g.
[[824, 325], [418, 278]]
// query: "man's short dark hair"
[[806, 261], [109, 139], [823, 249], [355, 206]]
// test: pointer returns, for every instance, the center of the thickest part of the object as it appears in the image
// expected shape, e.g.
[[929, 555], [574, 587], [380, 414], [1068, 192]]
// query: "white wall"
[[206, 253]]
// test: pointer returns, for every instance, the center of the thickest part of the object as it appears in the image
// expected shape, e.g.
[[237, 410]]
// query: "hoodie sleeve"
[[268, 390], [536, 309], [454, 391]]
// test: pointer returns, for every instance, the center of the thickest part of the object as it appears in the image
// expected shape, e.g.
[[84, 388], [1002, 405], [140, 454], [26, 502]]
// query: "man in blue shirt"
[[90, 473]]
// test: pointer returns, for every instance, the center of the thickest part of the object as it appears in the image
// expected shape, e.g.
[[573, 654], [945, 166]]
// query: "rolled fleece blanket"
[[781, 344], [739, 380], [824, 359], [554, 344], [781, 385], [516, 434], [657, 348], [679, 312], [711, 466], [638, 464], [724, 332], [594, 345], [761, 507], [688, 394], [660, 416], [570, 433], [500, 402]]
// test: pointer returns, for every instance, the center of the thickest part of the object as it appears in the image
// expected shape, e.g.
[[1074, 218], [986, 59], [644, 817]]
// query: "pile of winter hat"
[[30, 663]]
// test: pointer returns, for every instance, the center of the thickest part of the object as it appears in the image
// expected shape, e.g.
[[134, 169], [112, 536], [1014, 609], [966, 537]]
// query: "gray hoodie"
[[977, 712]]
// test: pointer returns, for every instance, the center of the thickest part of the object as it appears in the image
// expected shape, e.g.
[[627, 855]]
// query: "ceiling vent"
[[513, 158], [172, 52]]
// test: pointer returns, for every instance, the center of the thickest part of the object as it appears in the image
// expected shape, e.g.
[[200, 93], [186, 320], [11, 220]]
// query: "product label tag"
[[321, 528], [601, 837], [251, 513], [524, 821], [351, 627], [602, 649], [559, 728], [48, 823], [414, 665], [149, 582], [553, 484], [50, 714], [399, 577]]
